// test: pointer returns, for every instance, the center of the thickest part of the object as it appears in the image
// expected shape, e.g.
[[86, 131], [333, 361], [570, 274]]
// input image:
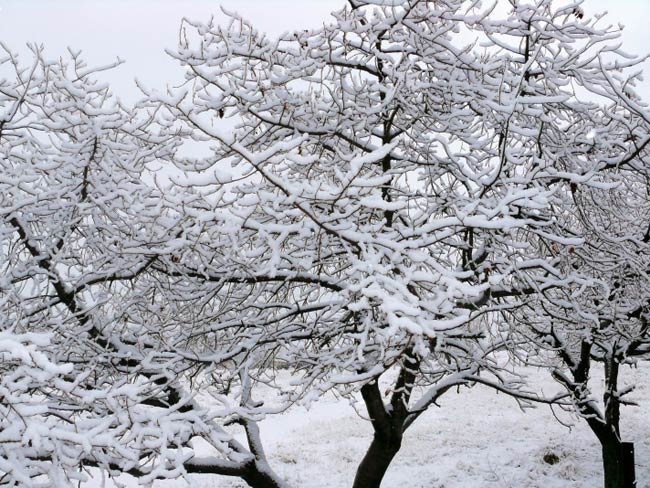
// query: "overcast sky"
[[139, 30]]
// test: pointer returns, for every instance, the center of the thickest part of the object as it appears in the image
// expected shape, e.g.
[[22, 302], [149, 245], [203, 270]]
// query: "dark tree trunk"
[[618, 457], [618, 463], [389, 424], [375, 463]]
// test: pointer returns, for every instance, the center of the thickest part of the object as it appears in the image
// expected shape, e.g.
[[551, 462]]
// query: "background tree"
[[600, 317], [590, 306]]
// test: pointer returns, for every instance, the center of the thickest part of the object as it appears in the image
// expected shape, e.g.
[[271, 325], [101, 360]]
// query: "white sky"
[[139, 30]]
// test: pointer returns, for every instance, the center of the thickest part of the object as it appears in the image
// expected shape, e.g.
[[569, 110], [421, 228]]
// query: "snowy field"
[[477, 438]]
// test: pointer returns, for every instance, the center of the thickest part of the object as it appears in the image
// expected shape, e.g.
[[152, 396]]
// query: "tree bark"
[[618, 463], [375, 463]]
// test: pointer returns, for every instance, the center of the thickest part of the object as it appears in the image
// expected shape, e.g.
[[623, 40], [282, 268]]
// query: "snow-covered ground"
[[476, 439]]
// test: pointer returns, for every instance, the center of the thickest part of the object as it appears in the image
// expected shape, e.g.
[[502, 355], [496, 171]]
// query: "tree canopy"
[[430, 193]]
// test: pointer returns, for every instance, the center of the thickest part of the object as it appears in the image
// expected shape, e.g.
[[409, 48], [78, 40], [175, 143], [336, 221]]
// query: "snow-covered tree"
[[374, 203], [93, 372]]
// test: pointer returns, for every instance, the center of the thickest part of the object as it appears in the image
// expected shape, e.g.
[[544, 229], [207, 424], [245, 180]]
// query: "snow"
[[477, 438]]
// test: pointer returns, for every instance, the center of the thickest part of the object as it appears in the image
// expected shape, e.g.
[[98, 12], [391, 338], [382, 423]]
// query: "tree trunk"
[[618, 457], [618, 464], [373, 467]]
